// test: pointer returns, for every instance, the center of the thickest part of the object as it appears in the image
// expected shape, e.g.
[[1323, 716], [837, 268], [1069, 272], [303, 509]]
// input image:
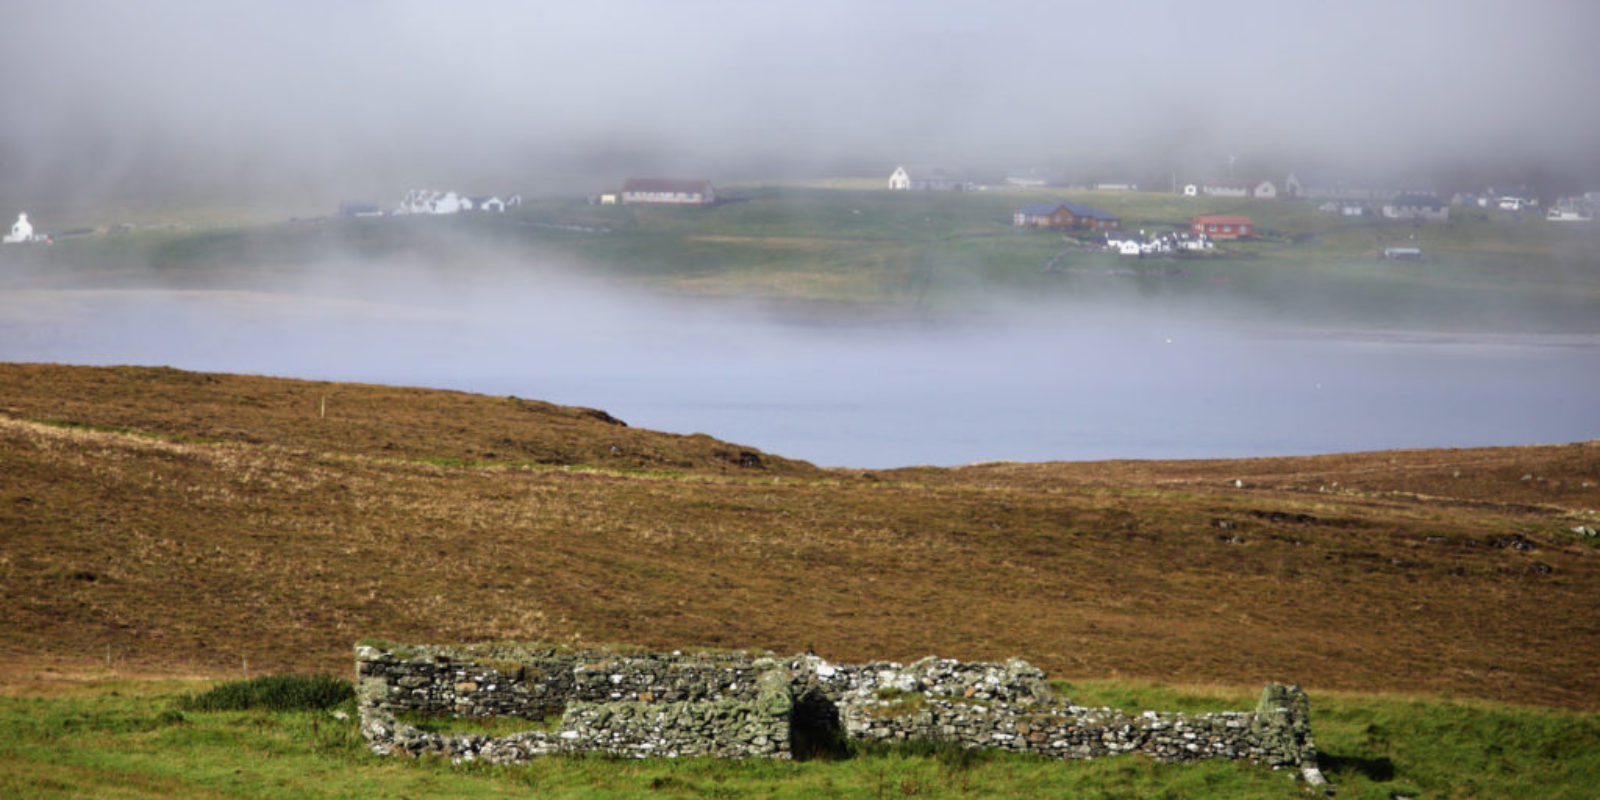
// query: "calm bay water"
[[1030, 386]]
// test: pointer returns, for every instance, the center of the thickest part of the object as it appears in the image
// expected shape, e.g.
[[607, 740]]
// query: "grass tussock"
[[272, 693]]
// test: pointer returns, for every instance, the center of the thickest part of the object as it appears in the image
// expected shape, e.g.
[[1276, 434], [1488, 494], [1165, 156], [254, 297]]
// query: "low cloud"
[[178, 98]]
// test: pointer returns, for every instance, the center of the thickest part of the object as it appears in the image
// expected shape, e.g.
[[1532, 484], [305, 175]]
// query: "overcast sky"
[[105, 96]]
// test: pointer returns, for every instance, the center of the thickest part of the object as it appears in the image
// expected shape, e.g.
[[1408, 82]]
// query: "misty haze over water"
[[1068, 383]]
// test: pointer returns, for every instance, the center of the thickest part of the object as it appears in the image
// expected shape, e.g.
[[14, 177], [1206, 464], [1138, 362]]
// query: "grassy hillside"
[[395, 423], [188, 522]]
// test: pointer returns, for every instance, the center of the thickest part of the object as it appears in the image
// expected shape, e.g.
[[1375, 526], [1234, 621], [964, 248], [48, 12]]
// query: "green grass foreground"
[[129, 739]]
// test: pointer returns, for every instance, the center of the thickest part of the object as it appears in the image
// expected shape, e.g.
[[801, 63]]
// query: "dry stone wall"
[[1271, 735], [757, 705]]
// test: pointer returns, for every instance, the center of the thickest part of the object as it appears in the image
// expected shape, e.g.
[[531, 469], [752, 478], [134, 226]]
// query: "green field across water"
[[874, 251]]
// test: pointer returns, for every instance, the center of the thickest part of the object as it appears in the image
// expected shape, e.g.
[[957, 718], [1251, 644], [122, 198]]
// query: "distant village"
[[1343, 199], [1203, 232], [648, 191]]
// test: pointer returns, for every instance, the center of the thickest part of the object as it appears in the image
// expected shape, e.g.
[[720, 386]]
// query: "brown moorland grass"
[[194, 523], [386, 421]]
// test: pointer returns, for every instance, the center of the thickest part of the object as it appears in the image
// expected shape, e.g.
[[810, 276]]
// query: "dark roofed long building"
[[1065, 215], [666, 191]]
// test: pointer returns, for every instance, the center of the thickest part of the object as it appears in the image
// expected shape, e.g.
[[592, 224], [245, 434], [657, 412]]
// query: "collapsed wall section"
[[1272, 738], [1010, 706], [713, 703], [618, 702]]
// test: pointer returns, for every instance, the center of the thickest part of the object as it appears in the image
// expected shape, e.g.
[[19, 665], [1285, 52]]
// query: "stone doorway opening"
[[815, 732]]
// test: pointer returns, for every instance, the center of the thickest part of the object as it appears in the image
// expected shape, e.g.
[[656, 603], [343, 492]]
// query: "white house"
[[487, 203], [21, 230], [905, 179], [1265, 191], [450, 203], [1191, 190], [1568, 214], [1127, 243], [430, 201]]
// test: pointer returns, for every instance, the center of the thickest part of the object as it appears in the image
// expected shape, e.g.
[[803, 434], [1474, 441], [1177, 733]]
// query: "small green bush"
[[272, 693]]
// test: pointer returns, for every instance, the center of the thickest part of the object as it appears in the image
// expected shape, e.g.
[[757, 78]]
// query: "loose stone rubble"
[[642, 704]]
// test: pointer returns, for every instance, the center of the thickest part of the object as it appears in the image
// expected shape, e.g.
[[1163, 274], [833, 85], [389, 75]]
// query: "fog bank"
[[165, 99]]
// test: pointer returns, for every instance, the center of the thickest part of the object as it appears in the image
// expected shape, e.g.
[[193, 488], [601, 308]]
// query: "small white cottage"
[[430, 201], [21, 230]]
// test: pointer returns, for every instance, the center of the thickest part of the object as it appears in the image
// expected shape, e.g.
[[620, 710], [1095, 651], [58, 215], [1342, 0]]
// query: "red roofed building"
[[1222, 227], [669, 192]]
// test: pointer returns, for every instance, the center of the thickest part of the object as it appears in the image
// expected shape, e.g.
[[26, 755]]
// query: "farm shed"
[[666, 191]]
